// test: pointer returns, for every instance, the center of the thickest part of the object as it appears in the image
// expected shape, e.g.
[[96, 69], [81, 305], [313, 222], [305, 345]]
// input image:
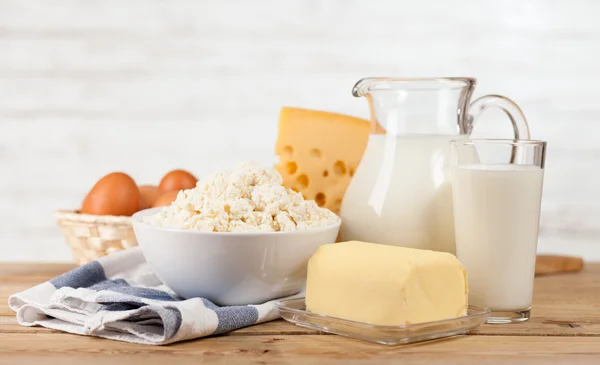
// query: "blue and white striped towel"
[[119, 297]]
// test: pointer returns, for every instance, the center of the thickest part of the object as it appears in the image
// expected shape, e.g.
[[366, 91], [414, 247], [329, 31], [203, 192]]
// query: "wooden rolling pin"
[[554, 264]]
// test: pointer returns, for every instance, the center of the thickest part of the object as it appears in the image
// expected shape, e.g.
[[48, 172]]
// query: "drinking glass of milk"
[[497, 195]]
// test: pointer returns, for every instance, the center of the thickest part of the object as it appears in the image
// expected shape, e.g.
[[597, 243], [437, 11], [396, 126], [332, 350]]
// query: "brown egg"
[[148, 195], [166, 199], [177, 180], [114, 194]]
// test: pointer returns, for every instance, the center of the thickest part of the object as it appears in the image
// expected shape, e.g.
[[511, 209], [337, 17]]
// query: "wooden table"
[[565, 329]]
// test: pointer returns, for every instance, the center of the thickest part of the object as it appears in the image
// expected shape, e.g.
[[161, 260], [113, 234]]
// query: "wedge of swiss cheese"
[[319, 152]]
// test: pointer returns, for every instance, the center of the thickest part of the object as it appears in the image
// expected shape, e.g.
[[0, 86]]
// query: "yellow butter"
[[385, 285]]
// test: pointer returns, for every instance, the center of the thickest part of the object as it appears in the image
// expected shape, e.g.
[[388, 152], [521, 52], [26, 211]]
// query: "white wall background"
[[88, 87]]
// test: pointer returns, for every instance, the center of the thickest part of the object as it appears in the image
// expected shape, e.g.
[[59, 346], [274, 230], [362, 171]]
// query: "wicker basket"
[[94, 236]]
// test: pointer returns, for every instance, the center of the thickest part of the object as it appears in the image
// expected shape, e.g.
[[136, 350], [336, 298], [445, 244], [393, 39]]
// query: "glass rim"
[[498, 141]]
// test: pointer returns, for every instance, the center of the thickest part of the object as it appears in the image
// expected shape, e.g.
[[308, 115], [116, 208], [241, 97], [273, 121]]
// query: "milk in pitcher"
[[401, 193]]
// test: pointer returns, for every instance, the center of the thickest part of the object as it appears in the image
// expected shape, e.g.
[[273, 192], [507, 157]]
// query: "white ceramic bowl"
[[230, 268]]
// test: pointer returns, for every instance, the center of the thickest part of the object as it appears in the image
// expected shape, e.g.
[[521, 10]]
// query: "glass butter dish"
[[294, 311]]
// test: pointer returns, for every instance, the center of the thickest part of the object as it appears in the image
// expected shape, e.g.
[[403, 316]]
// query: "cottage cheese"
[[248, 199]]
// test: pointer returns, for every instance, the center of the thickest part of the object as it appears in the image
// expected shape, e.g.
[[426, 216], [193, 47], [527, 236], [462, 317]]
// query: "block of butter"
[[385, 285]]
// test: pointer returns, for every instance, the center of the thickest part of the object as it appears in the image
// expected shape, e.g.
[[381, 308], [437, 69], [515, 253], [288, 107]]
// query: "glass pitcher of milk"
[[401, 192]]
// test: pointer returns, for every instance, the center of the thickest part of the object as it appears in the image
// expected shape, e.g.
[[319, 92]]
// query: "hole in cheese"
[[351, 172], [337, 204], [291, 167], [316, 153], [288, 151], [295, 189], [339, 168], [320, 199], [303, 180], [325, 173]]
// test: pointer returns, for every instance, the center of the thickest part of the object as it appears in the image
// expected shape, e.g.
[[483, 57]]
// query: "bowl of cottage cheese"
[[239, 237]]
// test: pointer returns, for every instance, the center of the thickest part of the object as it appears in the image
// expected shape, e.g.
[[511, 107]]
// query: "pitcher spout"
[[361, 88]]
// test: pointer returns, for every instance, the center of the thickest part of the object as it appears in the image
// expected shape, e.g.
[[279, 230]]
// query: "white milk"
[[497, 212], [401, 193]]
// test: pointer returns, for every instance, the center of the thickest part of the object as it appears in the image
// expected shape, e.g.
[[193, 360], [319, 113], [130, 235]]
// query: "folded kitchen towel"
[[120, 298]]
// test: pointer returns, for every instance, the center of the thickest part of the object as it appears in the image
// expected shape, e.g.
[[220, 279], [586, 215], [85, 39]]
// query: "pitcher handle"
[[512, 110]]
